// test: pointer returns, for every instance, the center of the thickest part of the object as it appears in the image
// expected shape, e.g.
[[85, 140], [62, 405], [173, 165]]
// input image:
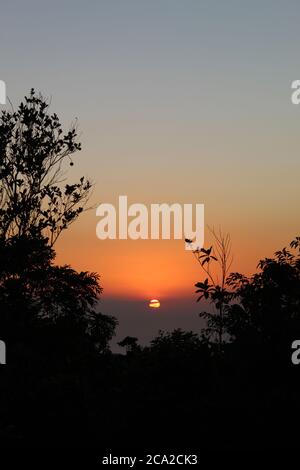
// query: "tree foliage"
[[36, 205], [34, 150]]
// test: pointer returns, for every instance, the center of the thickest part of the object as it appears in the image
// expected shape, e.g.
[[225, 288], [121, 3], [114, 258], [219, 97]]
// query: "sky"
[[177, 101]]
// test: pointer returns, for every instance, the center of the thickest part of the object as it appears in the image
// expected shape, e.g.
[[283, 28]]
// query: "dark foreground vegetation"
[[233, 386]]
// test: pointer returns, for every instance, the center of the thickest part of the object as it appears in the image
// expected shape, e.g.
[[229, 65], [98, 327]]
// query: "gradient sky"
[[177, 101]]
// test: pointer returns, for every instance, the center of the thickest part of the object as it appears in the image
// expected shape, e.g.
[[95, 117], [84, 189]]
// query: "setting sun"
[[154, 303]]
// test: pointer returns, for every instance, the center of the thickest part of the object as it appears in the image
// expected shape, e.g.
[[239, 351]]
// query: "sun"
[[154, 303]]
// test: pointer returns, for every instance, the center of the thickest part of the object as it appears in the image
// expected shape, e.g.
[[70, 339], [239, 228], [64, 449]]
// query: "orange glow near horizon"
[[138, 269], [134, 269]]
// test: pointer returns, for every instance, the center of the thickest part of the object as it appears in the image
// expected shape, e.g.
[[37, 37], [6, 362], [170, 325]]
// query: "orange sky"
[[146, 269]]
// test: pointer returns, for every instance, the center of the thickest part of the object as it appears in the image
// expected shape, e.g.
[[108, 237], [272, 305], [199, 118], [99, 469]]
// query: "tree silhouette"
[[214, 287], [35, 207], [101, 330], [266, 306], [130, 343], [34, 151], [177, 341]]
